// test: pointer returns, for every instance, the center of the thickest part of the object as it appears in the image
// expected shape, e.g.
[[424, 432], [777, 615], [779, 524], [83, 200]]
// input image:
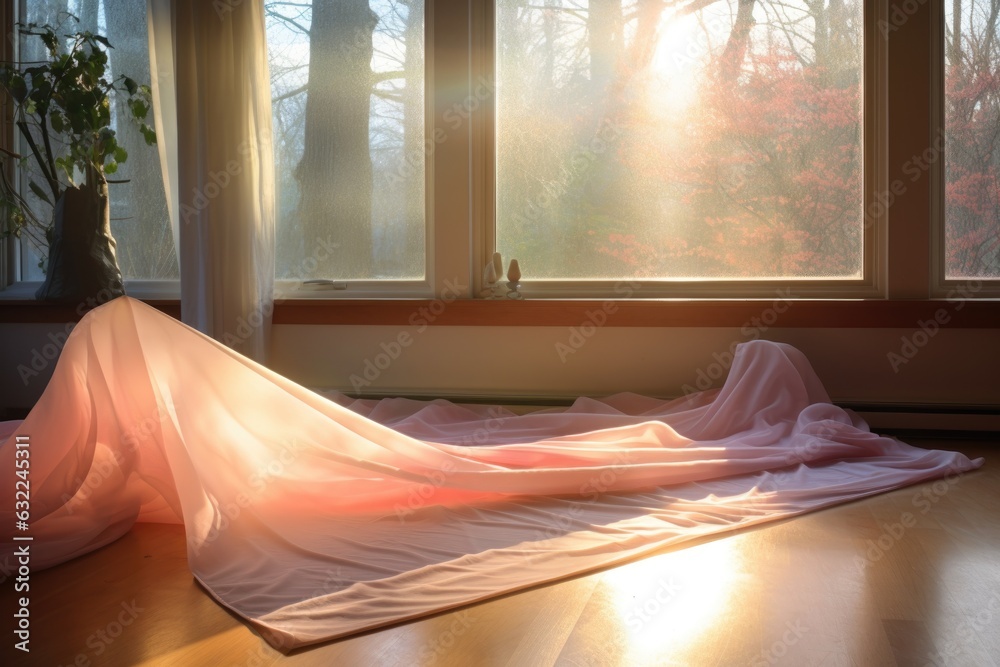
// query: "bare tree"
[[605, 32], [739, 39], [335, 172], [413, 125]]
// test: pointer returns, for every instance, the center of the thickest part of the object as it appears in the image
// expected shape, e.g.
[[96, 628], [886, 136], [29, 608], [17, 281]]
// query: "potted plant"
[[62, 107]]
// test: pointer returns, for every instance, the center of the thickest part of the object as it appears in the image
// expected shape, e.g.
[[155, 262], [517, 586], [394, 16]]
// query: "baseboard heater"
[[930, 418]]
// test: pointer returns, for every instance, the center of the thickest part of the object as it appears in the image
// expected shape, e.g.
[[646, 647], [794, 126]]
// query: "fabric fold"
[[313, 521]]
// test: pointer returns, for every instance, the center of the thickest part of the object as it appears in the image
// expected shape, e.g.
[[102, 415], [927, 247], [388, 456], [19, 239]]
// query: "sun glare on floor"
[[667, 602]]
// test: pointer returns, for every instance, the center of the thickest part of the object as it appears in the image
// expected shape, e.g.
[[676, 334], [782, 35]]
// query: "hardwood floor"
[[910, 577]]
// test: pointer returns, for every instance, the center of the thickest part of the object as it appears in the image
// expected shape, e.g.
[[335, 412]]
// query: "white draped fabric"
[[212, 108], [314, 519]]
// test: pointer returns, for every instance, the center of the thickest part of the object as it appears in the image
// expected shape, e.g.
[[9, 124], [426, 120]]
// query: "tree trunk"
[[605, 41], [413, 139], [739, 39], [600, 191], [956, 32], [549, 27], [335, 173]]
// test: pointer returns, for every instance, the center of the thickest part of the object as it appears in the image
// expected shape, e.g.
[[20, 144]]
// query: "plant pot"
[[82, 266]]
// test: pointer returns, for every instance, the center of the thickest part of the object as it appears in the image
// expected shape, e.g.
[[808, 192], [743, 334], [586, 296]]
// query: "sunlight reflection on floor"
[[667, 602]]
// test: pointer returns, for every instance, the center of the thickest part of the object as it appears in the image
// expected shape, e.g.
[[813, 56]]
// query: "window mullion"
[[448, 146], [908, 198]]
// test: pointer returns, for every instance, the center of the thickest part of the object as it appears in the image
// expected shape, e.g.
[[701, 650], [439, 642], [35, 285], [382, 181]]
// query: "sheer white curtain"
[[212, 101]]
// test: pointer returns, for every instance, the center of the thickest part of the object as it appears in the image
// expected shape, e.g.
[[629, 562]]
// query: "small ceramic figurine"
[[513, 280]]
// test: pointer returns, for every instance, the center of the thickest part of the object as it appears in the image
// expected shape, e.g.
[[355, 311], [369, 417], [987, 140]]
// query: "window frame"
[[940, 285], [9, 251], [870, 285], [460, 200]]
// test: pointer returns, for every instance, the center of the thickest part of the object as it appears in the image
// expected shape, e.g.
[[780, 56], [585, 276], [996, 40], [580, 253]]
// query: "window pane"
[[718, 139], [139, 219], [972, 154], [348, 99]]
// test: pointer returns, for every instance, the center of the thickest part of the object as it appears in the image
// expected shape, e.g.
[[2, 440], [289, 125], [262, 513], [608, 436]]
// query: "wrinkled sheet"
[[315, 518]]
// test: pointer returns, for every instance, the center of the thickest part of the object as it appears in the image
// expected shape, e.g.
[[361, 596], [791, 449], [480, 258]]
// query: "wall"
[[954, 367]]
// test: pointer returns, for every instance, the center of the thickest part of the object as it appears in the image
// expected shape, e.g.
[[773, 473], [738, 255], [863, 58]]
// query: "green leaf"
[[66, 164], [50, 40], [111, 167], [18, 88], [121, 155], [130, 85], [39, 192], [139, 109]]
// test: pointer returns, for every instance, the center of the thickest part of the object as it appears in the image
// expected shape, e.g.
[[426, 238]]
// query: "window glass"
[[689, 140], [972, 153], [347, 81], [139, 219]]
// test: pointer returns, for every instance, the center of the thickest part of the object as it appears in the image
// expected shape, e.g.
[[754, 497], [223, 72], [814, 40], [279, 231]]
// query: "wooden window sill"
[[969, 314]]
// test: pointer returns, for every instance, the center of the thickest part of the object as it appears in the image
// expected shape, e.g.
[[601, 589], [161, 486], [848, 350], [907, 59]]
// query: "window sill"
[[975, 314], [851, 314]]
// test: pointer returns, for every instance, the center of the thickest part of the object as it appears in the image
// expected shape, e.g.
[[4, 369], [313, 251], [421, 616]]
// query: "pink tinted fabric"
[[315, 518]]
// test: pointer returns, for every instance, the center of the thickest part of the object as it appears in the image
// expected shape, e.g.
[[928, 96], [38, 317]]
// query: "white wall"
[[956, 366]]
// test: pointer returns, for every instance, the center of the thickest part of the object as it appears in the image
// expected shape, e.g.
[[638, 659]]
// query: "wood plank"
[[787, 593]]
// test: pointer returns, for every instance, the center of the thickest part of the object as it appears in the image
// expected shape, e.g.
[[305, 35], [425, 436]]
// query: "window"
[[704, 148], [680, 144], [139, 219], [689, 140], [348, 121], [972, 154]]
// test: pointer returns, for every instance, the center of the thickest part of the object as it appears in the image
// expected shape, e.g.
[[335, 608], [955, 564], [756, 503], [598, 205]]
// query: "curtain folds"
[[212, 103]]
